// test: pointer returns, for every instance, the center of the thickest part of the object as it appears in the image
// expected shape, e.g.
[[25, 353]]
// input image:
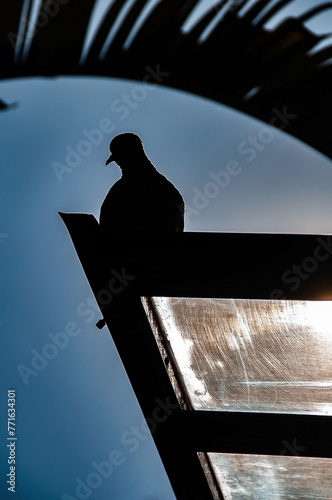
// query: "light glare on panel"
[[267, 477], [251, 355]]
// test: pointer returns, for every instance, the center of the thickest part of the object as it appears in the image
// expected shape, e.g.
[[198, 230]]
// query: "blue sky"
[[78, 409]]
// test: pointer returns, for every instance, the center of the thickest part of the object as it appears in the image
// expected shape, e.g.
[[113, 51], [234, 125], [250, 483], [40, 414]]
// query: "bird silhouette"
[[143, 200]]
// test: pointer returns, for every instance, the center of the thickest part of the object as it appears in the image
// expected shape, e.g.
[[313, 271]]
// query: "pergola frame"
[[179, 432]]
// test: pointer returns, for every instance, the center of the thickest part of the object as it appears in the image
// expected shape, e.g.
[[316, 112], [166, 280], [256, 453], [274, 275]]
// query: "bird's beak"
[[109, 160]]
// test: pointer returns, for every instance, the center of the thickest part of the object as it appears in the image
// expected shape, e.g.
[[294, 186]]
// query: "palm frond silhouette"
[[239, 62]]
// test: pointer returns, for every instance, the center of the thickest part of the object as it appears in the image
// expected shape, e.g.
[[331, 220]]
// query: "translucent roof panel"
[[266, 477], [250, 355]]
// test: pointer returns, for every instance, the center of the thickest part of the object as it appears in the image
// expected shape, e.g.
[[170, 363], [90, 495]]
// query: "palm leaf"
[[162, 27], [315, 11], [239, 54], [322, 56], [124, 30], [9, 29], [273, 11], [256, 10], [59, 41], [100, 37]]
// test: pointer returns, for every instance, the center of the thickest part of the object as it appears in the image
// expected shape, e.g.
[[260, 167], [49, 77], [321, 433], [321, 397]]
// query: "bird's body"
[[142, 201]]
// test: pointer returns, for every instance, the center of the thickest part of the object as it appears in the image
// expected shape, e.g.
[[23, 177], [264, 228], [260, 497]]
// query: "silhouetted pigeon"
[[143, 200]]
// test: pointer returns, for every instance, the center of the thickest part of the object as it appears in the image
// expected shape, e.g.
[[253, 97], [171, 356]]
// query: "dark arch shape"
[[240, 63]]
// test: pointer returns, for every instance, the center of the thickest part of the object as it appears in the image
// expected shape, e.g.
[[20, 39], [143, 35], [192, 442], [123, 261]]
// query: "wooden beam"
[[200, 265]]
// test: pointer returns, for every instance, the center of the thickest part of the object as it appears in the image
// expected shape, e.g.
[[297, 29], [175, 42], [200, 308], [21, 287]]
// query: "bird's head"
[[125, 150]]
